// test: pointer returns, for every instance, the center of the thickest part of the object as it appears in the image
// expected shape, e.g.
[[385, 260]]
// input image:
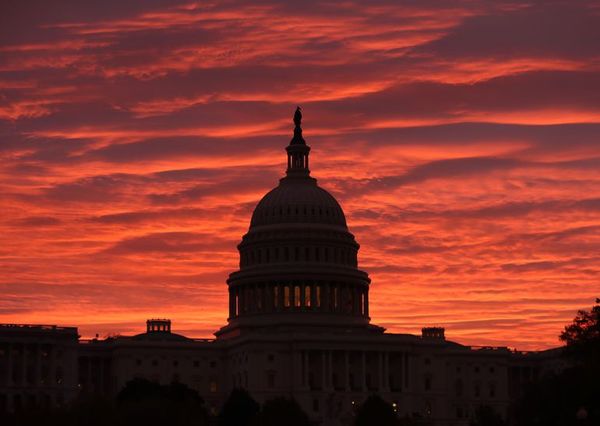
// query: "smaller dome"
[[298, 200]]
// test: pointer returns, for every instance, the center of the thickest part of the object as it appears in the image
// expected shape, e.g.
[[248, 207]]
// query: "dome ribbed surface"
[[300, 201]]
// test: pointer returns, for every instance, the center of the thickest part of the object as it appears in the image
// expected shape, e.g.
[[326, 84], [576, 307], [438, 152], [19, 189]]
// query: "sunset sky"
[[462, 140]]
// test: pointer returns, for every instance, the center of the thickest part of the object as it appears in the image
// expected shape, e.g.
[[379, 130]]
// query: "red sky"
[[461, 139]]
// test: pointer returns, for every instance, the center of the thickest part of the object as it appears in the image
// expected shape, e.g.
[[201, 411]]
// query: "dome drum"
[[298, 295]]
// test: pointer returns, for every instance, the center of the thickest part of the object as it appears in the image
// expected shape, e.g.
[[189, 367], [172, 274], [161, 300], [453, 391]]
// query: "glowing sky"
[[462, 140]]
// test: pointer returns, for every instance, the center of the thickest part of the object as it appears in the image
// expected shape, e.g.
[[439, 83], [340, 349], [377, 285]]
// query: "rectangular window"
[[427, 383], [307, 296], [276, 296], [271, 379], [318, 296], [297, 301]]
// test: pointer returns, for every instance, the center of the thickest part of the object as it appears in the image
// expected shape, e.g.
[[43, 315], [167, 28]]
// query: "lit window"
[[297, 300], [213, 386], [307, 296], [286, 296], [318, 296]]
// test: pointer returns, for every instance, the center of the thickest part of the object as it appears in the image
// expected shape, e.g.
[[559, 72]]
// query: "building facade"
[[298, 326]]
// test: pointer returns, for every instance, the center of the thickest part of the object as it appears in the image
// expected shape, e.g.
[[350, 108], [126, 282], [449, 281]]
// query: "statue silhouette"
[[298, 116]]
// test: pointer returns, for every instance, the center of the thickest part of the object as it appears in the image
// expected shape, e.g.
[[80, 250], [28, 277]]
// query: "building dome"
[[298, 201], [298, 260]]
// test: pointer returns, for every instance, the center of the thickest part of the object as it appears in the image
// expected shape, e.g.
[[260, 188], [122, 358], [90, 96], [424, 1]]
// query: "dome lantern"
[[297, 150]]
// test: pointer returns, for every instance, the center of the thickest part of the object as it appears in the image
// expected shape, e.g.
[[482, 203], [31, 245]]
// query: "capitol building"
[[298, 326]]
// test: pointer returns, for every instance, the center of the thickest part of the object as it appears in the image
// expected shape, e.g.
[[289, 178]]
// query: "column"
[[386, 371], [329, 369], [346, 371], [325, 298], [364, 371], [91, 384], [37, 377], [323, 371], [302, 369], [380, 370], [231, 303], [367, 302], [9, 365], [356, 306], [241, 300], [24, 365], [307, 368], [52, 369], [405, 357]]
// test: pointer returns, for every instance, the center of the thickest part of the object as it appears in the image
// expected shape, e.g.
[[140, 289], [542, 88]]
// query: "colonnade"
[[348, 371], [34, 367], [317, 296]]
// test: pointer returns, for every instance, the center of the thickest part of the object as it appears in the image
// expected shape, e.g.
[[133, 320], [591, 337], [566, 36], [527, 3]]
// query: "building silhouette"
[[298, 327]]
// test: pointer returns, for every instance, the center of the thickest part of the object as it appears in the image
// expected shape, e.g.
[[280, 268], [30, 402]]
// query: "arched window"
[[276, 296], [297, 301], [307, 296], [286, 296]]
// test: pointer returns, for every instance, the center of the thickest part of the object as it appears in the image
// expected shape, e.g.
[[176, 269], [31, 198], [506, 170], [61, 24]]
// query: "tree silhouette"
[[582, 337], [569, 397], [150, 404], [283, 411], [239, 409], [487, 416], [376, 411]]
